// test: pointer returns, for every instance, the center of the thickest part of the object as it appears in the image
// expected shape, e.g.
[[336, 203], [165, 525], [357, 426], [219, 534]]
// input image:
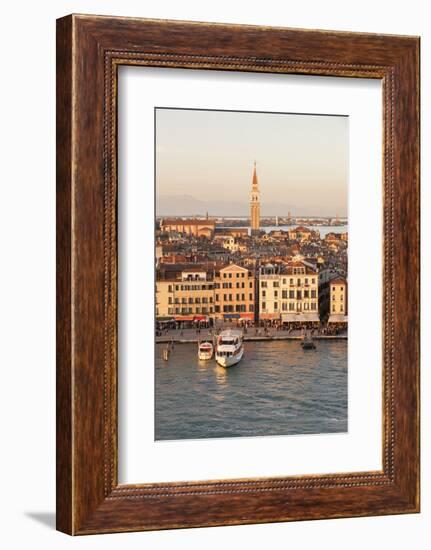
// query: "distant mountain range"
[[186, 205]]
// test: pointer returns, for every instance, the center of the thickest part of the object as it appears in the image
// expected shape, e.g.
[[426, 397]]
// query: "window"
[[198, 300], [306, 293], [250, 296], [275, 293], [263, 305], [275, 305], [313, 281], [216, 297], [190, 300], [306, 280], [204, 300], [251, 284], [242, 275], [230, 275], [313, 293], [251, 307], [333, 288], [264, 284], [170, 288], [237, 285], [237, 275], [298, 295], [237, 297], [333, 307], [305, 305], [291, 282], [284, 281], [291, 306], [198, 310], [284, 294], [170, 300], [341, 307], [284, 306], [170, 311], [291, 294], [263, 293], [275, 284], [242, 297]]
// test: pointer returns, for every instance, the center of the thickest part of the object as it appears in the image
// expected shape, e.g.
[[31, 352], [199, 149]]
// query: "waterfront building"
[[191, 227], [338, 301], [185, 296], [299, 286], [234, 288], [163, 304], [255, 204], [269, 292]]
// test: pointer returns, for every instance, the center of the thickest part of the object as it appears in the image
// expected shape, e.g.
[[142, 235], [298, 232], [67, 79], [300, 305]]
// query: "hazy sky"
[[204, 161]]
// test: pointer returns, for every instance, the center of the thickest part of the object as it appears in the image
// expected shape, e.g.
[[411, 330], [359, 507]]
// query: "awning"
[[337, 318], [231, 315], [184, 318], [200, 318], [247, 316], [300, 318], [268, 316]]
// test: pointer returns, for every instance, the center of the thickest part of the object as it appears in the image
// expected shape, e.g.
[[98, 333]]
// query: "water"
[[323, 229], [277, 389]]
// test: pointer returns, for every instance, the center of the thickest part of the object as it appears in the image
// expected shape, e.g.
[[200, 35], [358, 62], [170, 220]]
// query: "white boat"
[[230, 348], [205, 351]]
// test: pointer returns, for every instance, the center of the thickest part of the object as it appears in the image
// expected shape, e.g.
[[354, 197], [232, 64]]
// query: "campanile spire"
[[255, 203]]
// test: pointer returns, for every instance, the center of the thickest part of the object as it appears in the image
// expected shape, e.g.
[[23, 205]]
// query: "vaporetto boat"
[[229, 348]]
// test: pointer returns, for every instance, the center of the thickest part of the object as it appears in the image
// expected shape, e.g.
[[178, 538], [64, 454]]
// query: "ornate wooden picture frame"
[[89, 51]]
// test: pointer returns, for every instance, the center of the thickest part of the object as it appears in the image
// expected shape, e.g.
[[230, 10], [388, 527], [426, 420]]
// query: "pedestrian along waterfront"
[[277, 389]]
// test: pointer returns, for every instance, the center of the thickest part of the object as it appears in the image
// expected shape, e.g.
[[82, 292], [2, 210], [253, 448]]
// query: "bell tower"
[[255, 204]]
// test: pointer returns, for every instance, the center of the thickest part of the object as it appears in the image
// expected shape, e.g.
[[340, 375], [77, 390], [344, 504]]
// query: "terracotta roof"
[[338, 281], [302, 229], [190, 221]]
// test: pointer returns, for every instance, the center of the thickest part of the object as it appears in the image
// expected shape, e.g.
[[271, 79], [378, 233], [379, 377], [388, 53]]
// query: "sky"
[[204, 163]]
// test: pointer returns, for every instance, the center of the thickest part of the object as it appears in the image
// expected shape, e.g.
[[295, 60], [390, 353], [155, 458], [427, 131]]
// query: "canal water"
[[277, 389]]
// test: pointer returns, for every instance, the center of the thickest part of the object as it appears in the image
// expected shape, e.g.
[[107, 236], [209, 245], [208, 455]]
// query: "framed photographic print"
[[237, 274]]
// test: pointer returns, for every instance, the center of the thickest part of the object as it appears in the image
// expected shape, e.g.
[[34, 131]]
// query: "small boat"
[[205, 351], [230, 348], [307, 342]]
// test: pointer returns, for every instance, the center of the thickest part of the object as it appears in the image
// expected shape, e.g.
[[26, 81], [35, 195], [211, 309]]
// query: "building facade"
[[188, 298], [269, 293], [190, 227], [290, 294], [338, 306], [234, 298], [255, 204]]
